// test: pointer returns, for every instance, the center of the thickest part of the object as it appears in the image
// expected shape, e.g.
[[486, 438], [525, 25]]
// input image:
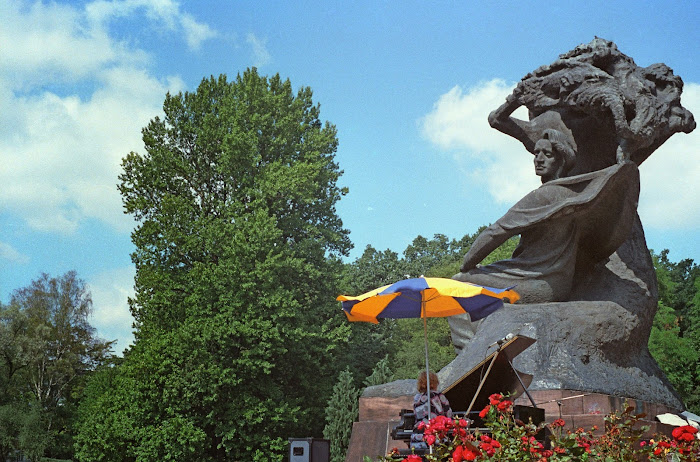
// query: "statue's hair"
[[562, 145], [423, 382], [662, 74]]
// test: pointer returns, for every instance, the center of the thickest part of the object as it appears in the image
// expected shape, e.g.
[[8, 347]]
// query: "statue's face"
[[547, 162]]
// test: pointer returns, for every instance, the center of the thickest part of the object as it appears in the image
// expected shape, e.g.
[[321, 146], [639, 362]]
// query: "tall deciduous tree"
[[237, 255], [47, 345]]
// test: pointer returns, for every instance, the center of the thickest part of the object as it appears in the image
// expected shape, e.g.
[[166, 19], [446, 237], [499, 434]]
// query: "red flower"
[[558, 423], [485, 411], [430, 439], [504, 405], [495, 398], [462, 453], [685, 433], [413, 458], [487, 448], [458, 454], [441, 423]]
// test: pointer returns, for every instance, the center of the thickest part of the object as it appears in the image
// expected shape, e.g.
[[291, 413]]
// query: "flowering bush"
[[512, 440]]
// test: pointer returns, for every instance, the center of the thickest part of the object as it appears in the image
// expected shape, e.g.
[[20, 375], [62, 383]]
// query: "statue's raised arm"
[[502, 120]]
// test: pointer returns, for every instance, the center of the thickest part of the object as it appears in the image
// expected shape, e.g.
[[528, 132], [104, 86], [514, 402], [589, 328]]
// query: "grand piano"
[[469, 392]]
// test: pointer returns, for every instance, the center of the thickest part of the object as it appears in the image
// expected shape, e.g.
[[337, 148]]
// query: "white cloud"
[[670, 191], [62, 153], [61, 162], [196, 32], [261, 56], [49, 43], [9, 253], [111, 317], [459, 123], [670, 195], [164, 12]]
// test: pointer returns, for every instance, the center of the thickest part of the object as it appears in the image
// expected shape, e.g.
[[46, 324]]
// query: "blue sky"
[[408, 84]]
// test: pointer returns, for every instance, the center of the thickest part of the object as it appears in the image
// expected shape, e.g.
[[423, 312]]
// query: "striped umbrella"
[[426, 297]]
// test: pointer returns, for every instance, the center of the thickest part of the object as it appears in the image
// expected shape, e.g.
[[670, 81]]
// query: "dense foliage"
[[47, 346], [237, 255], [675, 336], [342, 410]]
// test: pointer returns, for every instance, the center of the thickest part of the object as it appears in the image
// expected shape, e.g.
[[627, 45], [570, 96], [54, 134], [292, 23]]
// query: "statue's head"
[[554, 155]]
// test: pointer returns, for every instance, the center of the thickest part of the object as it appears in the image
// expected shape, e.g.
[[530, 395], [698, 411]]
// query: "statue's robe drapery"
[[565, 225]]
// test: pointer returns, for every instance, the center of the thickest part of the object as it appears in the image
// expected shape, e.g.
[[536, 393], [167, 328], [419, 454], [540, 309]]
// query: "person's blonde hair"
[[423, 382]]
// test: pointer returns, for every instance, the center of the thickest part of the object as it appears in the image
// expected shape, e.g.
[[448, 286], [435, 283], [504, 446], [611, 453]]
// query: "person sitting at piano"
[[439, 405]]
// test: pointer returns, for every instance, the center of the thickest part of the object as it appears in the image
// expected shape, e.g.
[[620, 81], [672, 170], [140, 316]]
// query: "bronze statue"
[[551, 220], [587, 283]]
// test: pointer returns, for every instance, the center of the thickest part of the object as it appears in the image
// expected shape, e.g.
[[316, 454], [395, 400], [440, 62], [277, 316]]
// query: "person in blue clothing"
[[439, 405]]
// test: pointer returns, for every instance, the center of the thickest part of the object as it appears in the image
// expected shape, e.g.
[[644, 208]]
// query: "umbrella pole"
[[481, 384], [427, 366]]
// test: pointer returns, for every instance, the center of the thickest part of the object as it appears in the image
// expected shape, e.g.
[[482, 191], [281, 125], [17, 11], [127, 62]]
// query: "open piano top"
[[470, 390]]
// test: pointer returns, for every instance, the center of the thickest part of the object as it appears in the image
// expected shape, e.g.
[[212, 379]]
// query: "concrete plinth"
[[379, 415]]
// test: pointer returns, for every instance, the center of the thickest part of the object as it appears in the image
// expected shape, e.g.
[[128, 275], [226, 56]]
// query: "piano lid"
[[503, 378]]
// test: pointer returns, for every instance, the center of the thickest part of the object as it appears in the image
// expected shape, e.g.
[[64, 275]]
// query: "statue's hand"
[[466, 265]]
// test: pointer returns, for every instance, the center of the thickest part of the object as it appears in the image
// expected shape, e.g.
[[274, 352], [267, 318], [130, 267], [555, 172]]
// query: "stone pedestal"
[[379, 415], [585, 410], [371, 434]]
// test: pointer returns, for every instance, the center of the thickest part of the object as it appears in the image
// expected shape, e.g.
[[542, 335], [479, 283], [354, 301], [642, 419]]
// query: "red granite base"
[[378, 416], [370, 435], [586, 410]]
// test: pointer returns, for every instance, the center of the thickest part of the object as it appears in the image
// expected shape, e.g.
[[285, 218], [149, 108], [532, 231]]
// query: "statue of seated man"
[[542, 265], [566, 225]]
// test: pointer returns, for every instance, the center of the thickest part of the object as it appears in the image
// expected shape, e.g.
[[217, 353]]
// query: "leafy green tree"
[[369, 343], [237, 263], [106, 410], [34, 438], [342, 410], [423, 254], [373, 269], [409, 347], [675, 354], [60, 341], [675, 334], [692, 400], [47, 346], [381, 374]]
